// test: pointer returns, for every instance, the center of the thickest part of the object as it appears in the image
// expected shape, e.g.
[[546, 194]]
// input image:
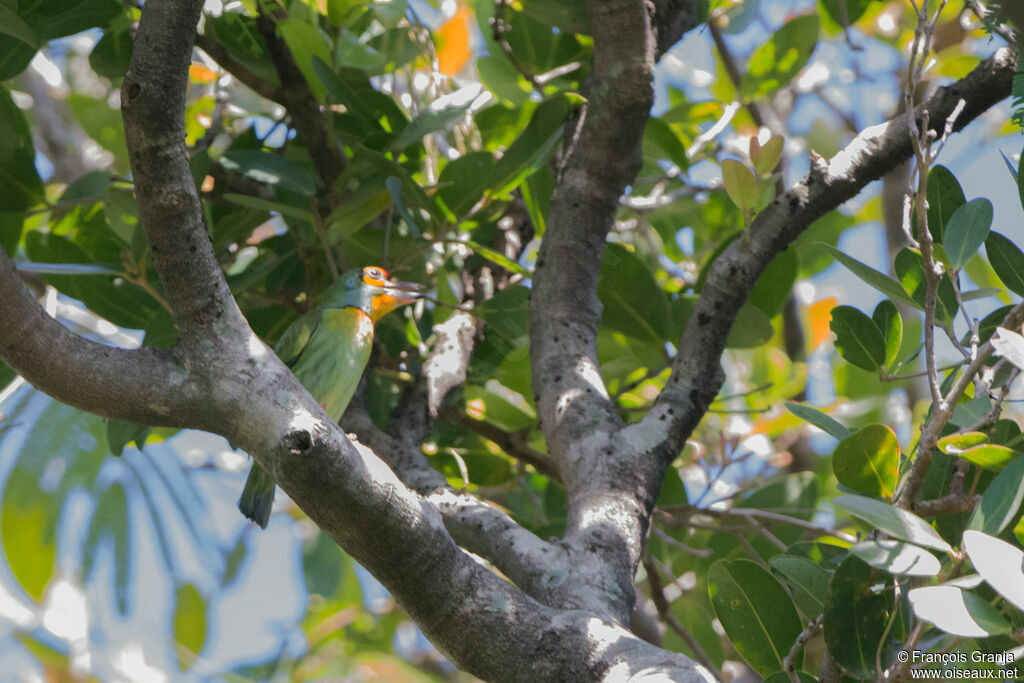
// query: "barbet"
[[327, 349]]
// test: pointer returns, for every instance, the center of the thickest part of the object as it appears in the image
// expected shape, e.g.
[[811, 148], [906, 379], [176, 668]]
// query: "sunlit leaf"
[[893, 521], [822, 421], [880, 281], [189, 624], [740, 184], [897, 558], [966, 231], [957, 611], [775, 63], [858, 339], [867, 461]]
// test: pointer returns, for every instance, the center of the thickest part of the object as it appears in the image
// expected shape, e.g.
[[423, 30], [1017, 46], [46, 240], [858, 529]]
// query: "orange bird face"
[[387, 294]]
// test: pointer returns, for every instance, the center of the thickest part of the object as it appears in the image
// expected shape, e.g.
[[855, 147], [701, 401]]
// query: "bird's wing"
[[289, 347]]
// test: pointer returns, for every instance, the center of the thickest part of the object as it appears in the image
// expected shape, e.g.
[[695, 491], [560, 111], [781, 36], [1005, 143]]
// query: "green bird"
[[327, 350]]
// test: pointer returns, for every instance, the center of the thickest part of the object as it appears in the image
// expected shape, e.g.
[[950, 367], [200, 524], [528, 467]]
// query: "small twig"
[[665, 612], [788, 664], [500, 26], [321, 233], [679, 545], [752, 513]]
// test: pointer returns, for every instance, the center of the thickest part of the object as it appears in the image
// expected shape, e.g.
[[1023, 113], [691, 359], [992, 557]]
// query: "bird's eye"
[[375, 276]]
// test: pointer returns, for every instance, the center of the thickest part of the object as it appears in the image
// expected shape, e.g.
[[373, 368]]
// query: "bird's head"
[[371, 290]]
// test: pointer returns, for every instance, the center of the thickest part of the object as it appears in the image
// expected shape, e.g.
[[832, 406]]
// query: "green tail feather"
[[257, 496]]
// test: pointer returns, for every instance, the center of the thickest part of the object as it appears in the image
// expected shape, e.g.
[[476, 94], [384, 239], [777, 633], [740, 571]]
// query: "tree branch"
[[696, 373], [237, 387], [603, 153], [244, 74], [302, 106], [152, 102]]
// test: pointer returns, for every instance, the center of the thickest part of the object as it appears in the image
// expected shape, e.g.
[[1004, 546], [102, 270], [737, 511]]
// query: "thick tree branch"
[[697, 374], [604, 531], [152, 102], [240, 389], [672, 18], [244, 74], [143, 385]]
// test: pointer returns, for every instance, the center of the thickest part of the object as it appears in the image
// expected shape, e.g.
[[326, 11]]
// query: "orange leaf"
[[453, 42], [201, 74], [819, 314]]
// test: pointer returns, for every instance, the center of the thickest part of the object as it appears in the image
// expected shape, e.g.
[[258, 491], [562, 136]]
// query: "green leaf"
[[856, 617], [28, 520], [441, 113], [807, 581], [767, 156], [966, 232], [774, 64], [755, 611], [497, 258], [890, 324], [537, 191], [1000, 504], [846, 12], [752, 328], [665, 142], [893, 521], [944, 197], [1007, 260], [776, 282], [973, 411], [740, 184], [112, 53], [883, 283], [896, 557], [306, 43], [120, 434], [272, 169], [909, 268], [868, 461], [957, 611], [633, 302], [858, 338], [534, 146], [268, 205], [822, 421], [999, 563], [23, 188], [103, 124], [189, 624], [14, 26], [565, 15]]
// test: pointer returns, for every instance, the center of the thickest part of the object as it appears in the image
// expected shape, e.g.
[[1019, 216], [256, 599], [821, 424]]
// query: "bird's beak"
[[396, 293], [407, 292]]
